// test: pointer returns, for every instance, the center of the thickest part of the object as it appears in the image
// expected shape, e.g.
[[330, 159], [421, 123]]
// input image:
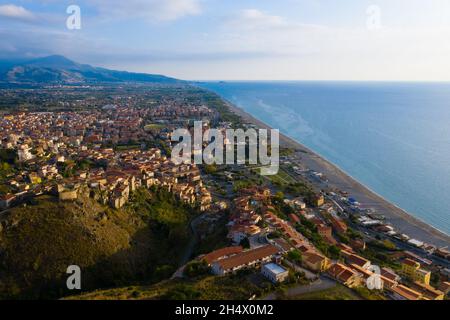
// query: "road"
[[190, 246]]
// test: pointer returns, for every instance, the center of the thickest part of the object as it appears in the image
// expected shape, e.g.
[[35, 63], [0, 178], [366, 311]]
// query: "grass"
[[208, 287], [339, 292], [154, 126]]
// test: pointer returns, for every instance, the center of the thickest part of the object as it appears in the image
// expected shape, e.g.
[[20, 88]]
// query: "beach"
[[401, 220]]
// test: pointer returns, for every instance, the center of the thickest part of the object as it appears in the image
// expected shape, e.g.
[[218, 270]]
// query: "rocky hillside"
[[136, 244]]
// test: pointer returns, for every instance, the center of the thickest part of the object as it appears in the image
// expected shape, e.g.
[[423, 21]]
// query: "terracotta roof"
[[355, 259], [406, 292], [427, 290], [388, 274], [247, 257], [312, 257], [411, 263], [215, 255]]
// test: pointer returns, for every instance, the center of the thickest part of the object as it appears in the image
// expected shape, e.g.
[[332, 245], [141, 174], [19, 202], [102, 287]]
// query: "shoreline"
[[399, 218]]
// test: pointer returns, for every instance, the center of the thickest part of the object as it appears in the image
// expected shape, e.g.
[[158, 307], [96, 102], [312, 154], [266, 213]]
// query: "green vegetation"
[[207, 287], [241, 184], [379, 253], [339, 292], [154, 126], [309, 230], [7, 160], [295, 256], [213, 240], [367, 294], [140, 243], [196, 269], [210, 168]]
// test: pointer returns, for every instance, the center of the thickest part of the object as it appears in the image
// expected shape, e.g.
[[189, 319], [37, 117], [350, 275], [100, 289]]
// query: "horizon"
[[291, 40]]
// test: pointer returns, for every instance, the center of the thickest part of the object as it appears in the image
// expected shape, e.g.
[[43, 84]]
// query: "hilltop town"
[[275, 235]]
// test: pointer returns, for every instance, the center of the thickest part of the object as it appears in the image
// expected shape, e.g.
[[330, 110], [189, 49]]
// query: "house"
[[445, 287], [244, 259], [345, 275], [390, 274], [352, 258], [324, 231], [402, 292], [239, 232], [443, 253], [318, 200], [338, 225], [294, 218], [274, 272], [282, 244], [315, 262], [67, 192], [411, 269], [428, 292], [358, 244], [221, 253]]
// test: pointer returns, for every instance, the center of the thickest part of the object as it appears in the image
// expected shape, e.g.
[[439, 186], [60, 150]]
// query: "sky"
[[239, 39]]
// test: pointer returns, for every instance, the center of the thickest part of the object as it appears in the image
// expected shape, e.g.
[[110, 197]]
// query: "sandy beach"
[[397, 217]]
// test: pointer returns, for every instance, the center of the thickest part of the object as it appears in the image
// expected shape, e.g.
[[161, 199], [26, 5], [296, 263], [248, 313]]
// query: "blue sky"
[[245, 39]]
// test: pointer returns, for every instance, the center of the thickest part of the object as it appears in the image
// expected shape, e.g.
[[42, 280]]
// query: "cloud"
[[151, 10], [256, 19], [15, 12]]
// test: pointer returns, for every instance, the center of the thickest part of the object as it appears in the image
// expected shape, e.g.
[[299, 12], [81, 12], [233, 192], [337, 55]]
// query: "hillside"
[[58, 69], [112, 247], [205, 287]]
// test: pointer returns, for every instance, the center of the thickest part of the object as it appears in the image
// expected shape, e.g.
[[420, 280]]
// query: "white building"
[[274, 272]]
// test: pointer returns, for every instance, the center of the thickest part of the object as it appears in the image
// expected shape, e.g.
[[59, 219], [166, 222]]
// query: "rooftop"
[[275, 268]]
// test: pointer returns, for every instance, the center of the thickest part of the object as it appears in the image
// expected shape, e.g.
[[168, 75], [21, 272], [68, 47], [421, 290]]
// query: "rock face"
[[58, 69]]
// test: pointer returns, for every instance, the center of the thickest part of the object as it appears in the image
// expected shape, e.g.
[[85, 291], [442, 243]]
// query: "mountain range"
[[59, 69]]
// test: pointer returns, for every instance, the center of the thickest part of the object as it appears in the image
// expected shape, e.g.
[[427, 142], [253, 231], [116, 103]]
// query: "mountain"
[[59, 69]]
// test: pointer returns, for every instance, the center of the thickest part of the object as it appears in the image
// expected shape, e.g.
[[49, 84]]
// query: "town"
[[287, 229]]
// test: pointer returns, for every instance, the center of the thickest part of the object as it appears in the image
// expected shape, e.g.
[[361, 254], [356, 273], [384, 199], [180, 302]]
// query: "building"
[[338, 225], [411, 269], [315, 262], [318, 200], [274, 272], [428, 292], [221, 253], [401, 292], [345, 275], [352, 258], [445, 287], [249, 258]]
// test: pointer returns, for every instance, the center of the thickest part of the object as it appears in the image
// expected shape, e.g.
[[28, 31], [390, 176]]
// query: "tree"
[[245, 243], [278, 197], [334, 252], [210, 168], [295, 256], [196, 268]]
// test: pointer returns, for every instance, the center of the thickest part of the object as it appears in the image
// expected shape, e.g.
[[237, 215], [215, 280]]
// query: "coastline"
[[403, 221]]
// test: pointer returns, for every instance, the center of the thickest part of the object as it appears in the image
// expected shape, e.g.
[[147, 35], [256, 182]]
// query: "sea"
[[392, 137]]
